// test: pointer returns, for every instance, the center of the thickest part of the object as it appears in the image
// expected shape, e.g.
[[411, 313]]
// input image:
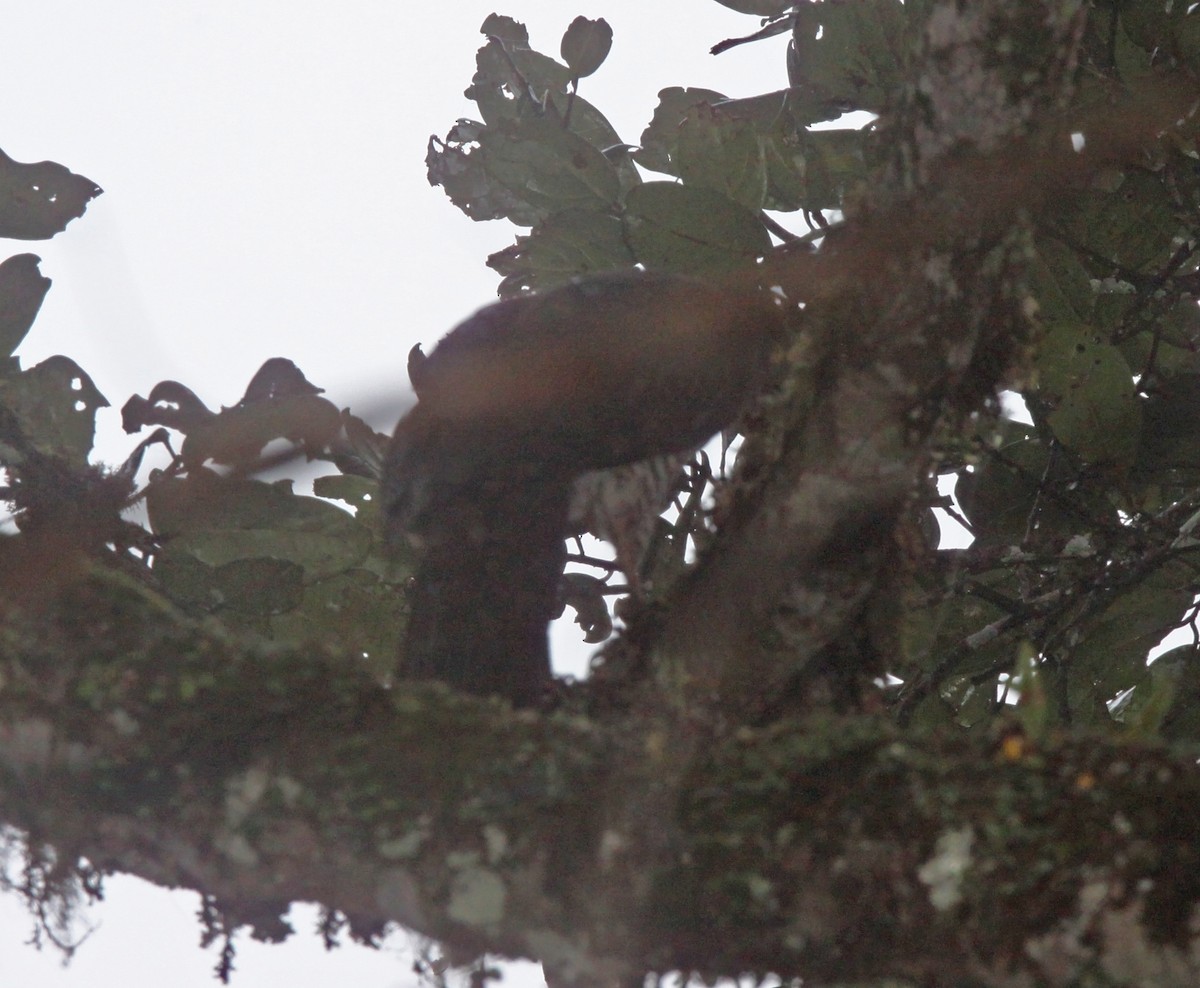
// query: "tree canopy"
[[820, 745]]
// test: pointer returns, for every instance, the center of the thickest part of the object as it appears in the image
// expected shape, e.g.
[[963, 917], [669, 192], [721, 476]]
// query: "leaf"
[[718, 151], [513, 83], [524, 171], [1060, 284], [567, 245], [278, 377], [1090, 388], [55, 403], [1131, 224], [586, 45], [661, 136], [1002, 494], [359, 449], [22, 289], [509, 32], [37, 201], [755, 150], [551, 168], [852, 53], [815, 171], [171, 404], [260, 586], [677, 228], [356, 612], [237, 436], [1111, 654], [585, 594], [219, 519]]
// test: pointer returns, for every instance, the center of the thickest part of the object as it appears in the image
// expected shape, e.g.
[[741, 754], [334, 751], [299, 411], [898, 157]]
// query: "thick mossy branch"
[[262, 777]]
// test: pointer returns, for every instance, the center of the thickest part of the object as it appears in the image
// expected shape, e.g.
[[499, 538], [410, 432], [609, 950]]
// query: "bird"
[[513, 406]]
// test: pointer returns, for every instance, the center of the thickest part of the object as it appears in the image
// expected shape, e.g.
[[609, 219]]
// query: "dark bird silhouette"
[[517, 402]]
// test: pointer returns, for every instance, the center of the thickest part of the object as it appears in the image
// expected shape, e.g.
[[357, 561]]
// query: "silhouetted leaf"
[[586, 45], [171, 404], [509, 32], [236, 436], [39, 200], [1111, 651], [278, 377], [1060, 284], [585, 595], [22, 289], [55, 403]]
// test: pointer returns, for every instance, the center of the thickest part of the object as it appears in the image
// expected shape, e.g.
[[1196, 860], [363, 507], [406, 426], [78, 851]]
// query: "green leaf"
[[260, 586], [1111, 654], [55, 403], [852, 53], [1060, 284], [718, 151], [661, 136], [678, 228], [586, 45], [459, 165], [1089, 386], [815, 171], [567, 245], [38, 201], [524, 171], [219, 519], [515, 83], [551, 168], [1001, 495], [22, 289], [1132, 223], [755, 150], [355, 611]]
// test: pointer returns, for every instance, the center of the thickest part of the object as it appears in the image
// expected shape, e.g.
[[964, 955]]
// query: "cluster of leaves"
[[1081, 509], [220, 543], [542, 156], [1083, 557]]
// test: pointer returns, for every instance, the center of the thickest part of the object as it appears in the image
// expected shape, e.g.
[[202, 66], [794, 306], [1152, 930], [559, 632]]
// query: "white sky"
[[265, 195]]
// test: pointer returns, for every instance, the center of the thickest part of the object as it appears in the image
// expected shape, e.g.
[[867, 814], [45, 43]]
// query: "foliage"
[[1022, 212]]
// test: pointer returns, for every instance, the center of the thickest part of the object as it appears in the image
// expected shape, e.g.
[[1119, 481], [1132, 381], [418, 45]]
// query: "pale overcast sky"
[[265, 195]]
